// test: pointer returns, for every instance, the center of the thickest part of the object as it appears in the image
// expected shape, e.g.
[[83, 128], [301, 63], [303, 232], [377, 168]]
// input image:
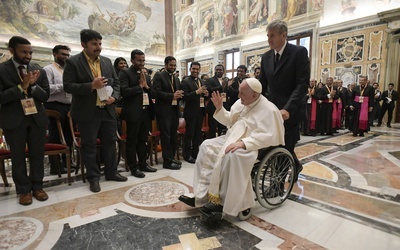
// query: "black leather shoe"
[[388, 125], [172, 166], [94, 186], [177, 162], [116, 177], [137, 173], [147, 168], [190, 160], [211, 207], [187, 200]]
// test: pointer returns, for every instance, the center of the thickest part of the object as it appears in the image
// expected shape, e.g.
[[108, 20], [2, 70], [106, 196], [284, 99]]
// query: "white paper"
[[104, 93]]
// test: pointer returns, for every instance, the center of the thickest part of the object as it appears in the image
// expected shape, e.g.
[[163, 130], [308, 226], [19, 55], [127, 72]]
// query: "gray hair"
[[279, 25]]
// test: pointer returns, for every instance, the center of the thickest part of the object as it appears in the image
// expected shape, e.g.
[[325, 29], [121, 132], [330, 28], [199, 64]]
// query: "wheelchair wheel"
[[245, 214], [273, 180]]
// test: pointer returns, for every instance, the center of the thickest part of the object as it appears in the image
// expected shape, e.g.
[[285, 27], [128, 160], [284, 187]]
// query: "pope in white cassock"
[[222, 181]]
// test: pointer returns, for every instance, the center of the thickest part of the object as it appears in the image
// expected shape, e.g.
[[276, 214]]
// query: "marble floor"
[[347, 197]]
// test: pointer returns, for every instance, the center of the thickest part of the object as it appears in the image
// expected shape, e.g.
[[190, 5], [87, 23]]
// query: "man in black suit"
[[232, 89], [285, 72], [137, 111], [22, 83], [94, 85], [195, 93], [167, 88], [215, 83], [389, 98]]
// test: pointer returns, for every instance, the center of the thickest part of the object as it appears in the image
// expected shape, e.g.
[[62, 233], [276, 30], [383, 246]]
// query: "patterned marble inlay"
[[156, 193], [320, 171], [343, 139], [19, 232], [311, 149]]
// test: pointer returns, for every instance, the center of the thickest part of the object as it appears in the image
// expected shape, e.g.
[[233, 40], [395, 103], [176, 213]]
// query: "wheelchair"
[[272, 178]]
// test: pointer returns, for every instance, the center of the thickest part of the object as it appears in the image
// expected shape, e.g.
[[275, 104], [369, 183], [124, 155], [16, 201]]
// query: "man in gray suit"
[[23, 89], [94, 85], [285, 72]]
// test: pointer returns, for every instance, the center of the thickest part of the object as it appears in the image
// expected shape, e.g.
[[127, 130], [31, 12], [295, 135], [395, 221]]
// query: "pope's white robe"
[[258, 125]]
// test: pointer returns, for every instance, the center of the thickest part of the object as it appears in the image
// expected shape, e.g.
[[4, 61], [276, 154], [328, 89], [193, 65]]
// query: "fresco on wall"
[[291, 8], [206, 31], [187, 32], [373, 72], [124, 25], [258, 13], [229, 17], [350, 49]]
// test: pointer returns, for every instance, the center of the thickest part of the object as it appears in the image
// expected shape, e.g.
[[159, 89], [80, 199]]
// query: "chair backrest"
[[57, 116], [123, 122], [73, 128]]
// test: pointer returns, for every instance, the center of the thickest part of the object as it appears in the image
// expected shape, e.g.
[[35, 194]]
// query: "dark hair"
[[375, 83], [361, 76], [220, 65], [88, 34], [149, 71], [136, 52], [242, 67], [116, 62], [15, 40], [59, 47], [168, 59], [259, 69], [203, 76], [391, 84], [195, 63]]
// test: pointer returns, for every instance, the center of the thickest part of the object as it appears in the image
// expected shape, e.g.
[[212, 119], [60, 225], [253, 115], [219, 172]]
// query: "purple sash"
[[363, 119]]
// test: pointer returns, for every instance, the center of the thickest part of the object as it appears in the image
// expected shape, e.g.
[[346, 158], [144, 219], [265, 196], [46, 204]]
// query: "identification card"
[[309, 100], [174, 102], [29, 106], [202, 102], [330, 100], [361, 99], [146, 99], [223, 95], [339, 101]]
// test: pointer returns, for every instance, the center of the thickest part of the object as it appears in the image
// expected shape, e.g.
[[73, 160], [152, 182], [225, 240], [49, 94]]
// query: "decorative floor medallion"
[[19, 232], [155, 194]]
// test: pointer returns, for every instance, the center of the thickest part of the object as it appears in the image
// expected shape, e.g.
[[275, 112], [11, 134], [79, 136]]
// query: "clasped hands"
[[29, 78], [202, 90]]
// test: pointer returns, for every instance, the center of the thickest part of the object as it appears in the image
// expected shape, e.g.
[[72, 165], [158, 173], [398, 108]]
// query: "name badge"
[[309, 100], [146, 99], [201, 102], [29, 106], [174, 102], [330, 100], [361, 99], [223, 95], [339, 101]]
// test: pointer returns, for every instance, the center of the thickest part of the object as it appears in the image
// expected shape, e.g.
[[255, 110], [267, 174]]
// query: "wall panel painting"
[[258, 13], [206, 31], [348, 74], [373, 72], [124, 25], [228, 13], [253, 62]]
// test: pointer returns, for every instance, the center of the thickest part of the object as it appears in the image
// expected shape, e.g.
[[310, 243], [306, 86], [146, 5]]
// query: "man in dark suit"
[[137, 111], [94, 85], [285, 72], [167, 88], [195, 93], [232, 90], [22, 83], [215, 83], [389, 98]]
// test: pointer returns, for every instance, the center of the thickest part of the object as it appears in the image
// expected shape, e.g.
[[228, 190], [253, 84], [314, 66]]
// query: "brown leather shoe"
[[40, 195], [25, 199]]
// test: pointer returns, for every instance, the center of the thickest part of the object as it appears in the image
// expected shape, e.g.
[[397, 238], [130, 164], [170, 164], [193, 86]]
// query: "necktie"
[[21, 71], [276, 59]]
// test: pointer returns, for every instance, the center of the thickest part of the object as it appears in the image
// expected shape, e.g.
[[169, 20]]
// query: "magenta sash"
[[339, 112], [363, 119], [313, 113], [334, 114]]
